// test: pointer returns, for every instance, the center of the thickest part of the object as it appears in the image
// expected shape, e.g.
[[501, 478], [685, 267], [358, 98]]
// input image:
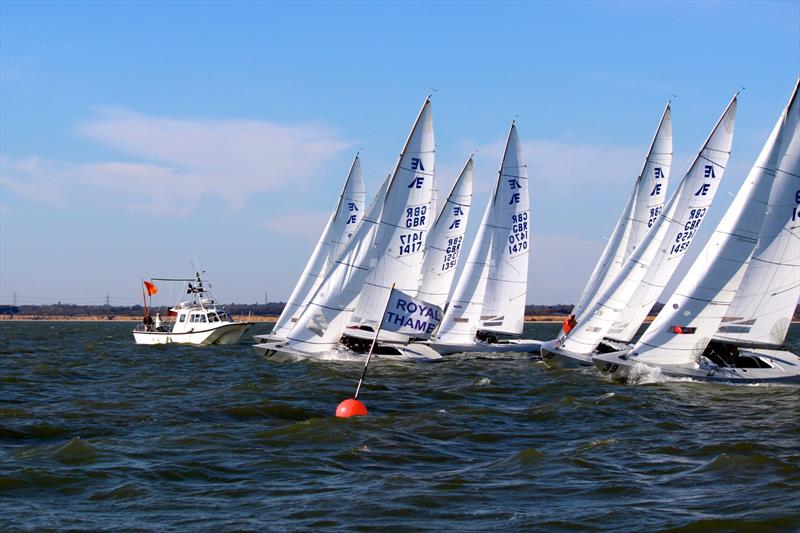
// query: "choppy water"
[[97, 433]]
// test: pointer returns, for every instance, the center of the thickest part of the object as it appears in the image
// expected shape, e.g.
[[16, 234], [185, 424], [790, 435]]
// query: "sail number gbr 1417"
[[518, 239], [684, 238]]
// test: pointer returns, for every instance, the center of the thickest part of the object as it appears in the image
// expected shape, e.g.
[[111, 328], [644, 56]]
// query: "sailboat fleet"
[[726, 321]]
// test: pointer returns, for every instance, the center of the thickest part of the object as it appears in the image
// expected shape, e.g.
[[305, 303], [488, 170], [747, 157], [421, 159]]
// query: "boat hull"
[[526, 346], [784, 367], [556, 357], [413, 352], [225, 334]]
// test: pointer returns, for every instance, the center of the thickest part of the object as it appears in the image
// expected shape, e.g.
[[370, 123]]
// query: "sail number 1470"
[[518, 239]]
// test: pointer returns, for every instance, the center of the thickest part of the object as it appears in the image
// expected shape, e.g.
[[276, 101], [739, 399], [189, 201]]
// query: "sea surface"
[[98, 433]]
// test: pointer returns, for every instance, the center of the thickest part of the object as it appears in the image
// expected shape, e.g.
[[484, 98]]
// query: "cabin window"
[[203, 318], [182, 317], [195, 317]]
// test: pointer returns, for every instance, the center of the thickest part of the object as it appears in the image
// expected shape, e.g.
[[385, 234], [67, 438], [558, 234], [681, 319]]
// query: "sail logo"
[[514, 199], [703, 190], [456, 224], [351, 206], [416, 164], [416, 183], [656, 190], [709, 172], [658, 172], [514, 183]]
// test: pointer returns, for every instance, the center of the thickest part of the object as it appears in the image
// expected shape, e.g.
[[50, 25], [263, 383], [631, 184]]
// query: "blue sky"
[[136, 137]]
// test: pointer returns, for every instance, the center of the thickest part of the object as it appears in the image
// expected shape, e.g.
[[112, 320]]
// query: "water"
[[97, 433]]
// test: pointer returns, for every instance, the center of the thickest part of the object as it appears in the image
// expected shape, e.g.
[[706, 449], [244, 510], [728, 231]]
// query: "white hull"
[[783, 367], [222, 334], [555, 357], [528, 346], [397, 352]]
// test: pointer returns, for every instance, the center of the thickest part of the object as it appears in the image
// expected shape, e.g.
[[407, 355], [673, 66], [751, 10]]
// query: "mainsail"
[[337, 233], [391, 234], [490, 294], [640, 214], [445, 239], [683, 329], [645, 274]]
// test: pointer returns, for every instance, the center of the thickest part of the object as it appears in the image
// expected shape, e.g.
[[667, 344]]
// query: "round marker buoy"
[[351, 407]]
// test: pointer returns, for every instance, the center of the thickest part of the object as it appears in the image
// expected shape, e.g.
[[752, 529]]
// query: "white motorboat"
[[199, 321], [636, 287], [729, 316]]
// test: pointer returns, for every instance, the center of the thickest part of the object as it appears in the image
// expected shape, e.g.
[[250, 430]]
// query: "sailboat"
[[487, 310], [390, 240], [442, 251], [338, 231], [649, 268], [730, 315], [639, 216]]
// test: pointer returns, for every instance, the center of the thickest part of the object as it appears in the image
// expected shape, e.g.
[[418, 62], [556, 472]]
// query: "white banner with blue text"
[[410, 316]]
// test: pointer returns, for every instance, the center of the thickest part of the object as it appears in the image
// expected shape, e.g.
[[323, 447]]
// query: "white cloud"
[[172, 164]]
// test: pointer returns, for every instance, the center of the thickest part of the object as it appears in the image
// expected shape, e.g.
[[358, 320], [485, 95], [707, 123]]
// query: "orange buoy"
[[351, 407]]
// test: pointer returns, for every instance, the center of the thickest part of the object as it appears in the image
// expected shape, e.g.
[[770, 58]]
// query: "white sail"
[[683, 329], [403, 238], [507, 283], [444, 242], [337, 232], [490, 294], [646, 273], [462, 316], [394, 241], [767, 297], [640, 214]]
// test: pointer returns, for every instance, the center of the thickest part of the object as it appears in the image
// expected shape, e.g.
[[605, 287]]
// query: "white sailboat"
[[199, 321], [338, 231], [488, 304], [640, 214], [649, 268], [390, 240], [446, 238], [729, 316]]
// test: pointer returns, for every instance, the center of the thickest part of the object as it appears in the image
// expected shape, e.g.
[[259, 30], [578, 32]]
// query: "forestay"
[[640, 214], [765, 301], [490, 294], [445, 239], [647, 271], [397, 229], [337, 233]]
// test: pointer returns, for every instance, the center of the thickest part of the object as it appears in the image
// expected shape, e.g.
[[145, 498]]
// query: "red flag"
[[150, 288]]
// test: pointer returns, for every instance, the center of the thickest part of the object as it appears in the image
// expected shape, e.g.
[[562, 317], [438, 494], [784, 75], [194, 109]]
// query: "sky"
[[136, 138]]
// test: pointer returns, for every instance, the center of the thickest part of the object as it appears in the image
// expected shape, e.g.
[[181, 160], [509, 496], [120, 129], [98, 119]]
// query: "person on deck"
[[569, 323]]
